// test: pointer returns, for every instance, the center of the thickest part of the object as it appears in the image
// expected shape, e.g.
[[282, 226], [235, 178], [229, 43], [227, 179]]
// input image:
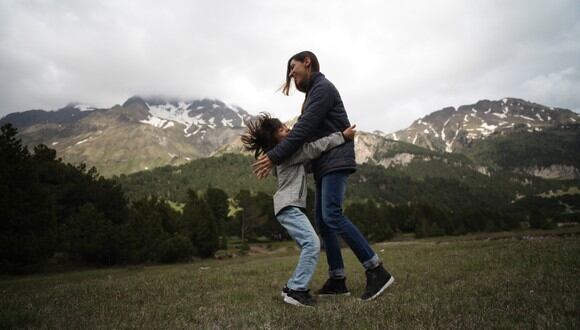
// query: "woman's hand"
[[262, 166], [349, 133]]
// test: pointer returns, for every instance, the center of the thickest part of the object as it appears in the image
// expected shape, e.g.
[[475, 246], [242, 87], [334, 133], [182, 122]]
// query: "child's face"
[[281, 133]]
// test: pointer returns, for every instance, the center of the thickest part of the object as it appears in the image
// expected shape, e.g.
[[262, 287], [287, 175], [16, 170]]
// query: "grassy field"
[[505, 282]]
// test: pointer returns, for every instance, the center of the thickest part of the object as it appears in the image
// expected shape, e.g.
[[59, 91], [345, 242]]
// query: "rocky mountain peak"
[[449, 128], [135, 101]]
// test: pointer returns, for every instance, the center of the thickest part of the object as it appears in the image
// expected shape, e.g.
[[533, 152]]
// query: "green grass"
[[512, 282]]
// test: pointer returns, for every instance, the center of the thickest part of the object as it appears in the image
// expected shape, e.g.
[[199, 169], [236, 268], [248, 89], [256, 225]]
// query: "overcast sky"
[[392, 61]]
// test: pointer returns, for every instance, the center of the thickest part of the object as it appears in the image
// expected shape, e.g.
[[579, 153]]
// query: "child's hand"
[[349, 133]]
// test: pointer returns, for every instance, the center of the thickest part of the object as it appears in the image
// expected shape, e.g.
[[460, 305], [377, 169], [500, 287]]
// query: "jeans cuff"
[[337, 273], [295, 288], [373, 262]]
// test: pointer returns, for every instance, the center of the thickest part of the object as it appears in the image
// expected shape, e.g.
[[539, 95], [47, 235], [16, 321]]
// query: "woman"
[[322, 114]]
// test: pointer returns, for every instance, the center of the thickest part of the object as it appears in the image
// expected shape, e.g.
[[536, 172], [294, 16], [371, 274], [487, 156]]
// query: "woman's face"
[[300, 71]]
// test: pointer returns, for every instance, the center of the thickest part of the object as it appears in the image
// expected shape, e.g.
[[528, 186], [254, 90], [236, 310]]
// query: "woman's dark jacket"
[[323, 115]]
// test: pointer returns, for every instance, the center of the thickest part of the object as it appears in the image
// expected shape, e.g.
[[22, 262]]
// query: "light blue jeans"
[[299, 228]]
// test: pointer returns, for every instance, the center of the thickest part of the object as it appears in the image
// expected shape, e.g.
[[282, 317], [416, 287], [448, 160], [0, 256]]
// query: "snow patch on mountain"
[[82, 141], [156, 122], [84, 107], [449, 145], [434, 132], [171, 112], [487, 129], [227, 122], [443, 128], [524, 117], [195, 117]]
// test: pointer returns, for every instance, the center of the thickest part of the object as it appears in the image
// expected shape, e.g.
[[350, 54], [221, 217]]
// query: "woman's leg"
[[332, 191], [331, 243], [300, 229]]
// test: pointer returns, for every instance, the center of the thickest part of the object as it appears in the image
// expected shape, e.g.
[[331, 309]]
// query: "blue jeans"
[[330, 190], [299, 228]]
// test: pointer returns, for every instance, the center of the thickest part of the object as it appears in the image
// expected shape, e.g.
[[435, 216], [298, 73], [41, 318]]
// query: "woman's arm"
[[320, 102]]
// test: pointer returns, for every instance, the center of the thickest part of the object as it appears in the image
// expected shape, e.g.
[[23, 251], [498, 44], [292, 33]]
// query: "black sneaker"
[[378, 279], [334, 287], [285, 291], [299, 298]]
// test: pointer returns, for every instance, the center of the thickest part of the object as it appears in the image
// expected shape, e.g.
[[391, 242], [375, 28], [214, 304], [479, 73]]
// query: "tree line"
[[50, 209], [53, 210]]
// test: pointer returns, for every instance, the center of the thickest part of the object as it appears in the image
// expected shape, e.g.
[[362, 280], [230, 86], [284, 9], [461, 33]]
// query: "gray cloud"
[[391, 62]]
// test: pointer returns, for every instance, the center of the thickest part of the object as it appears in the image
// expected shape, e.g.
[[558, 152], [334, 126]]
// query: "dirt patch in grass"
[[261, 250]]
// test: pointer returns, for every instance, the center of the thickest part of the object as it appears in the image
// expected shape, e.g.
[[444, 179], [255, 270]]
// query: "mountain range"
[[148, 132], [141, 134]]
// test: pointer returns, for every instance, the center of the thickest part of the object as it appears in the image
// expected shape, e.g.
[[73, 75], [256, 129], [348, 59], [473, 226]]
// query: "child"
[[290, 198]]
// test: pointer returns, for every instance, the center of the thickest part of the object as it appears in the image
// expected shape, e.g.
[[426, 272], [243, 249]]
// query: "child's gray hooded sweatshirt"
[[292, 175]]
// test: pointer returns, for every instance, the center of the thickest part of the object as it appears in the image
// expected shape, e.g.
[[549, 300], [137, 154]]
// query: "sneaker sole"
[[389, 282], [292, 301]]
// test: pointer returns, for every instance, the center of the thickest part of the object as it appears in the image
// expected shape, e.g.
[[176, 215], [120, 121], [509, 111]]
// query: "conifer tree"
[[27, 217], [199, 223], [207, 237], [217, 200]]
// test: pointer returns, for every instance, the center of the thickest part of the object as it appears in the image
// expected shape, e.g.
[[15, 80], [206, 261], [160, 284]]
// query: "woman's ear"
[[307, 62]]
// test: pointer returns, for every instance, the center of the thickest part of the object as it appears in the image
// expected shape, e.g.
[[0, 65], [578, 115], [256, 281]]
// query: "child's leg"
[[300, 229]]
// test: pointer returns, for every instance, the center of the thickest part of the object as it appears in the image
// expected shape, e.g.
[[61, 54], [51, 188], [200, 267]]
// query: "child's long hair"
[[260, 135]]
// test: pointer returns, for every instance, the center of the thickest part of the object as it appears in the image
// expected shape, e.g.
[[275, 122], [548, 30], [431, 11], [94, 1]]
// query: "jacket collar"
[[313, 79]]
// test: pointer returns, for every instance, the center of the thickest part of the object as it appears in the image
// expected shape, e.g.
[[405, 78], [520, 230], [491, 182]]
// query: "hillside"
[[432, 182], [552, 153]]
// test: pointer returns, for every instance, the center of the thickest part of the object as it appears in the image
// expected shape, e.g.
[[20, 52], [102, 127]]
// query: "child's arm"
[[314, 149]]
